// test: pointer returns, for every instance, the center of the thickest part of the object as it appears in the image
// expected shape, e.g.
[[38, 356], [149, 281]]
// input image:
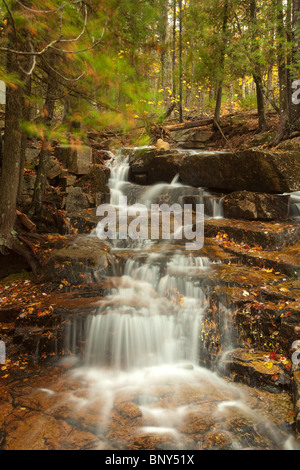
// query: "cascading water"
[[118, 178], [295, 205], [142, 354], [149, 319]]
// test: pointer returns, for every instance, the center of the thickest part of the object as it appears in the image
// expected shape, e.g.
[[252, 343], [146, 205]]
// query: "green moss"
[[22, 276]]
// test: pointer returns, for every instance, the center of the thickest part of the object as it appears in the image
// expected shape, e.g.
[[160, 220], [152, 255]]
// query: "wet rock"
[[267, 235], [85, 220], [286, 261], [256, 206], [257, 369], [141, 179], [80, 261], [159, 166], [248, 170], [245, 170], [296, 395]]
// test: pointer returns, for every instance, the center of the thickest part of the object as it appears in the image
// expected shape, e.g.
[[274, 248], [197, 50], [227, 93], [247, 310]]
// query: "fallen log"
[[189, 125], [26, 222]]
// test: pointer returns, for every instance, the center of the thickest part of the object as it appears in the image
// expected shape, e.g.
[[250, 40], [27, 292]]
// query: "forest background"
[[71, 67]]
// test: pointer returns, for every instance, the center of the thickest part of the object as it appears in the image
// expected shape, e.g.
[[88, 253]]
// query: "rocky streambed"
[[242, 391]]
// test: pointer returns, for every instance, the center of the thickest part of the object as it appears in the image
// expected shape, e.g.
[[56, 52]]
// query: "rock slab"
[[256, 206], [248, 170], [77, 160]]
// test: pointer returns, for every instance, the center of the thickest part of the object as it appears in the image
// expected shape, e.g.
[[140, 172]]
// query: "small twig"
[[223, 135]]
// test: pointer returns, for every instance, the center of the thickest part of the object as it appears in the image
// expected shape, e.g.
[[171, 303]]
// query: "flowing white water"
[[295, 205], [118, 178], [149, 318], [143, 343]]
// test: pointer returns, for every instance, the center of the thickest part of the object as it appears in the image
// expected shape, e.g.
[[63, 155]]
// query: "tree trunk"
[[11, 165], [41, 180], [282, 72], [290, 116], [243, 88], [294, 108], [48, 112], [26, 117], [174, 50], [222, 64], [180, 62], [261, 111], [164, 40], [262, 117]]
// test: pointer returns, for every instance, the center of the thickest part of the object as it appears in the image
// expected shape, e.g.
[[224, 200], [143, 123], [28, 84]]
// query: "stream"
[[140, 376], [143, 381]]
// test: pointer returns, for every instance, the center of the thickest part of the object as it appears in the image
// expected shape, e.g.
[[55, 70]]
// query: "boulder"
[[31, 153], [162, 145], [77, 160], [78, 260], [96, 179], [53, 168], [192, 138], [76, 200], [28, 188], [248, 170], [155, 166], [65, 181], [256, 206]]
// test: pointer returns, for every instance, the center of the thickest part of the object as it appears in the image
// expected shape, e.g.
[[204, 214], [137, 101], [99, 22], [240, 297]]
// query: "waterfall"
[[142, 348], [150, 318], [213, 204], [118, 178], [295, 205], [153, 315]]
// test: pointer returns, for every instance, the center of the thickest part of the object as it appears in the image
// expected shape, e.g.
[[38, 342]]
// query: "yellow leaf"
[[268, 365]]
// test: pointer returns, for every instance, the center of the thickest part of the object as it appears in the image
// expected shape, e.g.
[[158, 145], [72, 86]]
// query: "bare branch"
[[11, 17], [30, 53], [83, 29], [62, 7], [62, 76], [59, 40], [82, 50], [32, 65]]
